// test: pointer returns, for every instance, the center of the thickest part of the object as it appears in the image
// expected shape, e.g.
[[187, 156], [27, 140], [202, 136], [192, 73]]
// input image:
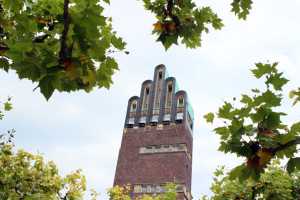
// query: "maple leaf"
[[265, 157], [171, 26], [69, 66], [159, 26], [254, 162]]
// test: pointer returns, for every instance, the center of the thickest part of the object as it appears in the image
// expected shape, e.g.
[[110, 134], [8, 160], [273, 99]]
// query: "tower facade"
[[157, 142]]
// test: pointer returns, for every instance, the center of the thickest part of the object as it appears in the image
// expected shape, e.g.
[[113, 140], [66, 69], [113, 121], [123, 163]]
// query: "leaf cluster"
[[180, 19], [27, 176], [275, 183], [118, 192], [58, 44], [255, 130], [241, 8]]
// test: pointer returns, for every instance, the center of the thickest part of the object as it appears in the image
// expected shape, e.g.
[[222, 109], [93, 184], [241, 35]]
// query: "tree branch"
[[40, 39], [273, 151], [174, 17], [5, 48], [62, 53]]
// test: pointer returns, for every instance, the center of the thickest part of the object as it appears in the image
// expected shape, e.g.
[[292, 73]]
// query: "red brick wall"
[[133, 167]]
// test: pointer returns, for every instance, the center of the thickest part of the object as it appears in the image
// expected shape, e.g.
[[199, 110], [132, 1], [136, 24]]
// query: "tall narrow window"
[[133, 106], [180, 101], [158, 89], [146, 96], [169, 95]]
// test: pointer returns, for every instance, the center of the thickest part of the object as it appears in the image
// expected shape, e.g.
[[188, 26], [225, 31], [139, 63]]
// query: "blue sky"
[[80, 130]]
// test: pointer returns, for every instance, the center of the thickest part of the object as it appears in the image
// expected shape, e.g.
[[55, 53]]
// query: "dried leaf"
[[171, 26], [265, 157], [269, 133], [295, 102], [158, 26], [190, 19], [254, 162], [69, 66]]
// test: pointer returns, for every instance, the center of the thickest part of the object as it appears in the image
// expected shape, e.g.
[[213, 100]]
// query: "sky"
[[84, 130]]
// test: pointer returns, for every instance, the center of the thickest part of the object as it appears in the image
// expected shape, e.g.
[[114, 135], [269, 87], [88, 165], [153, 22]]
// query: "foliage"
[[181, 19], [276, 183], [255, 130], [118, 192], [58, 43], [241, 8]]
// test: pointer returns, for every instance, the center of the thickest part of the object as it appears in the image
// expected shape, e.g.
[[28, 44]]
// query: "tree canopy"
[[66, 45], [255, 131], [27, 176], [276, 183]]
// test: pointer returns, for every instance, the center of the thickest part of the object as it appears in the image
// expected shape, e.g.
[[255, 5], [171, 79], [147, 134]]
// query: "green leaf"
[[261, 70], [118, 43], [246, 172], [255, 173], [169, 40], [241, 8], [107, 1], [292, 164], [48, 84], [111, 63], [29, 70], [238, 134], [224, 111], [292, 94], [255, 90], [209, 117], [4, 64], [276, 81], [16, 56], [7, 106], [245, 151], [236, 125], [236, 172], [269, 98], [223, 131], [272, 121], [246, 99]]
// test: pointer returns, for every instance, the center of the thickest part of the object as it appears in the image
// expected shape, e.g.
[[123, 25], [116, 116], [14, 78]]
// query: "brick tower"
[[157, 142]]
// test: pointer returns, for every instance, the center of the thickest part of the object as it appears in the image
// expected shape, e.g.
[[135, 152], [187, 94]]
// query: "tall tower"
[[157, 142]]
